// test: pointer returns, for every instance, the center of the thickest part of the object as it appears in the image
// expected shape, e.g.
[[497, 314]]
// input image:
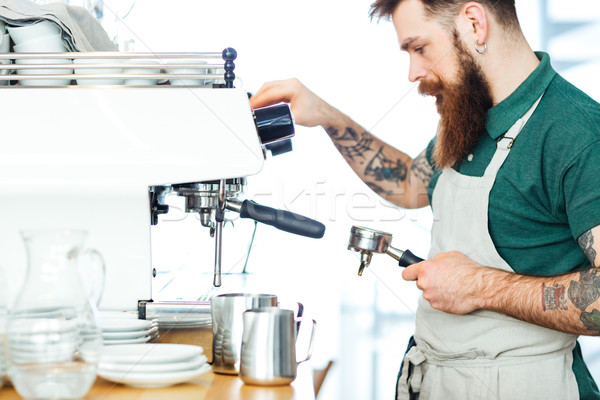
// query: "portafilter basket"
[[367, 241]]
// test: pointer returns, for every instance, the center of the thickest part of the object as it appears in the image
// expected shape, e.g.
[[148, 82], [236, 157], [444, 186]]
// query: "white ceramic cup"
[[99, 70], [4, 48], [142, 81], [27, 33], [173, 68], [48, 44]]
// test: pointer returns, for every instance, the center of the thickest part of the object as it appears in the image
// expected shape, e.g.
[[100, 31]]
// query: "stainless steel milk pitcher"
[[268, 355]]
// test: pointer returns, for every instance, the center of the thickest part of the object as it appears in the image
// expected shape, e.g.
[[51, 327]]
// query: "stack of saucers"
[[152, 365], [127, 330]]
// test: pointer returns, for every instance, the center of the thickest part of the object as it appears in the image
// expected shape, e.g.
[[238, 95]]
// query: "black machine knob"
[[274, 124]]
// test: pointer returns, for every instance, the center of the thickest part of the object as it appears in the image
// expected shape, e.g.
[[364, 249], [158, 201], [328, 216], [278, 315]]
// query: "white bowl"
[[173, 68], [48, 44], [142, 81], [100, 70], [4, 48], [44, 71], [23, 34]]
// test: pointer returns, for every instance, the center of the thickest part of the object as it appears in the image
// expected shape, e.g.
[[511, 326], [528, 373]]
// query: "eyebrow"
[[407, 42]]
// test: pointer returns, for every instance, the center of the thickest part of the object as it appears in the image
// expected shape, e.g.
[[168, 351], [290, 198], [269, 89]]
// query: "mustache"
[[431, 87]]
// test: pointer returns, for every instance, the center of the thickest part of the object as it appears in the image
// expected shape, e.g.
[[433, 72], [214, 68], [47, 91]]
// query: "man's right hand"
[[308, 108]]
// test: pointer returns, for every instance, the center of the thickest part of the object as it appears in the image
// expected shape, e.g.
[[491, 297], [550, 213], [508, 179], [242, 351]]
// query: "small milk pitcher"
[[268, 354]]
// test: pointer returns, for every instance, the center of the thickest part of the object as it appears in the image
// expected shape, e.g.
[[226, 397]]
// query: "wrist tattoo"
[[586, 241], [382, 168], [349, 134], [554, 297], [361, 143]]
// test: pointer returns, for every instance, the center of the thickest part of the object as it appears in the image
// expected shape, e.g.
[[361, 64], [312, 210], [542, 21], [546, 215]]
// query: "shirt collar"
[[503, 115]]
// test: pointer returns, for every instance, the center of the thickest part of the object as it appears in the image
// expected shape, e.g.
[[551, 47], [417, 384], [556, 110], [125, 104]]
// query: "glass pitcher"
[[53, 339]]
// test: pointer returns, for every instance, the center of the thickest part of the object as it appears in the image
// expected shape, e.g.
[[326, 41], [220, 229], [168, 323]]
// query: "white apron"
[[481, 355]]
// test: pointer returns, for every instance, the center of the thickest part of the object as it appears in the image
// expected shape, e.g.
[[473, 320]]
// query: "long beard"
[[463, 107]]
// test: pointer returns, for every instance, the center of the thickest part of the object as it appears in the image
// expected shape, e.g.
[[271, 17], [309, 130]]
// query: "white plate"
[[153, 380], [124, 324], [150, 353], [194, 363], [127, 341], [128, 334]]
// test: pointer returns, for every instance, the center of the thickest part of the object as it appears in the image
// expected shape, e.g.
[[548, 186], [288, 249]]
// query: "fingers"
[[272, 93], [411, 273]]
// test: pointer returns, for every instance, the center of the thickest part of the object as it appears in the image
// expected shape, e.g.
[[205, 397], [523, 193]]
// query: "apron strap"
[[505, 142], [411, 375]]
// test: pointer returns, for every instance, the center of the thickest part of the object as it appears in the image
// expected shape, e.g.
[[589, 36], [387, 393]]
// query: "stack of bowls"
[[41, 37], [4, 48]]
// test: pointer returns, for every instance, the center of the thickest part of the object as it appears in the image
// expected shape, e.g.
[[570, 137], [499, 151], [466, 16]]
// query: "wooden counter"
[[209, 386]]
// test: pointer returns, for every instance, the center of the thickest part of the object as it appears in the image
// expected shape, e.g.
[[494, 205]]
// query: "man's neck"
[[508, 65]]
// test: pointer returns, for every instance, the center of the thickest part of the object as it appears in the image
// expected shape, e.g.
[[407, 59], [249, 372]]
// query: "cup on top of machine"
[[32, 32], [143, 68], [96, 66], [183, 71], [4, 48], [42, 37]]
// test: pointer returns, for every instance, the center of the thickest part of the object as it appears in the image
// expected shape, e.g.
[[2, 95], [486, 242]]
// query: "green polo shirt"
[[547, 193]]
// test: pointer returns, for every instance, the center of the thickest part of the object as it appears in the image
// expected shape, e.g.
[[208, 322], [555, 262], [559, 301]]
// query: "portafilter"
[[367, 241]]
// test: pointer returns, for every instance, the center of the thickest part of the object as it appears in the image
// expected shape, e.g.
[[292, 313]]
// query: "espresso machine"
[[102, 158]]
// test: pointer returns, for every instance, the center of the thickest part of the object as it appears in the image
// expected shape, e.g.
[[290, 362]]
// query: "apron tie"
[[410, 380]]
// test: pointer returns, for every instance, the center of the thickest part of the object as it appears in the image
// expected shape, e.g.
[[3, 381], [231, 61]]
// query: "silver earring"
[[481, 51]]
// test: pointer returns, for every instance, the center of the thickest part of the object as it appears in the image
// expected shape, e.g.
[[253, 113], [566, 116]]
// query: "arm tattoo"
[[361, 144], [421, 169], [586, 241], [554, 297], [349, 134], [383, 168], [584, 293]]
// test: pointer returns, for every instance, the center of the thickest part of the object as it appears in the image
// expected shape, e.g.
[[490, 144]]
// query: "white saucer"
[[153, 380], [128, 334], [150, 353], [124, 324], [111, 342], [194, 363]]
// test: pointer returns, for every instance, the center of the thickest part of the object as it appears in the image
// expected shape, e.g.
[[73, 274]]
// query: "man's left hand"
[[451, 282]]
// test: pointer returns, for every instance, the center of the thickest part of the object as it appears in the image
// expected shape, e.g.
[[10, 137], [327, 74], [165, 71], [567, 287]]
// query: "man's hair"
[[504, 11]]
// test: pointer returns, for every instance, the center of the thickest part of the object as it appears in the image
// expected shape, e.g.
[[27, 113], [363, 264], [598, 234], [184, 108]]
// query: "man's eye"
[[419, 49]]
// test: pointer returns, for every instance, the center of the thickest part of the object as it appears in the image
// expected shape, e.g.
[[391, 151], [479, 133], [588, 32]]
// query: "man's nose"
[[416, 71]]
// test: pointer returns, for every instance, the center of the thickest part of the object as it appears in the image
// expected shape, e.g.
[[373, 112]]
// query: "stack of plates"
[[127, 330], [152, 365]]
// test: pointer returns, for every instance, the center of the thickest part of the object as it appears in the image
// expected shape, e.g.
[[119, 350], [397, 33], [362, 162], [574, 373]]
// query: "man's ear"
[[475, 21]]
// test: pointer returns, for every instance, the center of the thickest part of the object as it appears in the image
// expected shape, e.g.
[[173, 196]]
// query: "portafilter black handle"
[[408, 258], [283, 220]]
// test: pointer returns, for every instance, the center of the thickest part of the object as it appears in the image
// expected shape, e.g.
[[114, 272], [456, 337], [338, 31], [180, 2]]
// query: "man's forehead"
[[411, 22]]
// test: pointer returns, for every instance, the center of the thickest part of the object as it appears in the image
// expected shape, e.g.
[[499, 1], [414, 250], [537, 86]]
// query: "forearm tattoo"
[[586, 241], [554, 297], [362, 143], [421, 169], [584, 293], [382, 168]]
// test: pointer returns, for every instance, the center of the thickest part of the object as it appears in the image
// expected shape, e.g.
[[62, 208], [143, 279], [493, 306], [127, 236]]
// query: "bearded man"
[[511, 175]]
